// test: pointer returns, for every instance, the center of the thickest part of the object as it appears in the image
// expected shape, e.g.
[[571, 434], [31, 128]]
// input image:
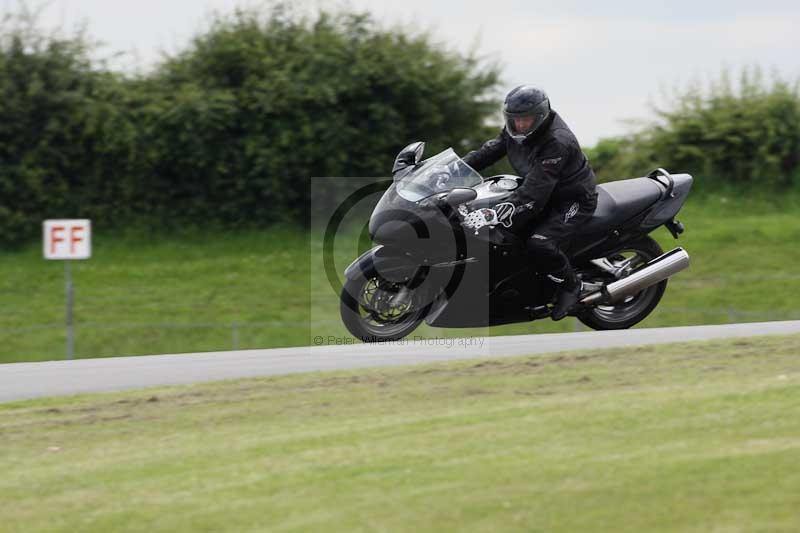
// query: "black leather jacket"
[[551, 161]]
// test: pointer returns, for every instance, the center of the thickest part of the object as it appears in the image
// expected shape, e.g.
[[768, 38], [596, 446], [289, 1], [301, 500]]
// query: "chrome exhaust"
[[655, 271]]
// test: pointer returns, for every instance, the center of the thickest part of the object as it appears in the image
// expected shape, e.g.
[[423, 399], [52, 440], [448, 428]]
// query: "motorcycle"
[[441, 257]]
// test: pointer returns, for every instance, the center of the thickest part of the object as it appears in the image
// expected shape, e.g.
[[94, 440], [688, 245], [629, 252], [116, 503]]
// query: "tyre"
[[377, 310], [631, 310]]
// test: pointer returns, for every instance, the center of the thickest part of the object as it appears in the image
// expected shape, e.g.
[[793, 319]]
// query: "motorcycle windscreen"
[[437, 174]]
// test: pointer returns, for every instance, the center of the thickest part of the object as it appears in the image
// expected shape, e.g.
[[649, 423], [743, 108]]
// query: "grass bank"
[[689, 437], [147, 294]]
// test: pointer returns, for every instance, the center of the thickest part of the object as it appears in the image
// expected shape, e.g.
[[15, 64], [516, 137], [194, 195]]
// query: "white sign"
[[67, 239]]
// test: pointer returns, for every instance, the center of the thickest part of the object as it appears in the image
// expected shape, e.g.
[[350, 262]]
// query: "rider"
[[558, 193]]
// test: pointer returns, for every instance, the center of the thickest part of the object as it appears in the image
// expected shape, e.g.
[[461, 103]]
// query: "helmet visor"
[[519, 124]]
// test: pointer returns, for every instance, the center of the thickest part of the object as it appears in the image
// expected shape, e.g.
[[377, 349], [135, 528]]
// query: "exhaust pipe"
[[653, 272]]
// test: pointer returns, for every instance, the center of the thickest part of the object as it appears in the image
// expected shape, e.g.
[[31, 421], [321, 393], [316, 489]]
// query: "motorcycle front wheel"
[[378, 310]]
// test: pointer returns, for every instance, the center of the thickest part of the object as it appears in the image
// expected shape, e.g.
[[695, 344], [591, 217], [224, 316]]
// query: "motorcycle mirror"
[[460, 195], [411, 155]]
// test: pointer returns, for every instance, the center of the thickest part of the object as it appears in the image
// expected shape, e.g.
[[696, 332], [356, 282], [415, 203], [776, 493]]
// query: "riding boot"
[[567, 294]]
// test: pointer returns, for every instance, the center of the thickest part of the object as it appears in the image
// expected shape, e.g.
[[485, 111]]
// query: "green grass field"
[[151, 293], [689, 437]]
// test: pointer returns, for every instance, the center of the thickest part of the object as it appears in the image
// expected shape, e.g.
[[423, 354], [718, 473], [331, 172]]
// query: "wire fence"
[[234, 327], [137, 338], [178, 337]]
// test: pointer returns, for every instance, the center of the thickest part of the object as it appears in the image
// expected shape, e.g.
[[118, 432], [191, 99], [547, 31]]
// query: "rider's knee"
[[542, 244]]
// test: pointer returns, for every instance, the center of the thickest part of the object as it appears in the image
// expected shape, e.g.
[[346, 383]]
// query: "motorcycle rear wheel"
[[634, 309]]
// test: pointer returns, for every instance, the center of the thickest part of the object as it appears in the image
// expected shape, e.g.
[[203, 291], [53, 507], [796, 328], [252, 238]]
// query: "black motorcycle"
[[441, 258]]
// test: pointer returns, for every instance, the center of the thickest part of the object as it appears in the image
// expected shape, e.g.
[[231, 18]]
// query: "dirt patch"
[[477, 392], [484, 364]]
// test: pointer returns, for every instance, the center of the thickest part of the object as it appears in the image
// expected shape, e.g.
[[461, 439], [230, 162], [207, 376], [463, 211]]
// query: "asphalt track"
[[20, 381]]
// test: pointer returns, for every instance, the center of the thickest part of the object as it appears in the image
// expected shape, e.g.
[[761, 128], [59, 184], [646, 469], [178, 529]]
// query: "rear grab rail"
[[659, 173]]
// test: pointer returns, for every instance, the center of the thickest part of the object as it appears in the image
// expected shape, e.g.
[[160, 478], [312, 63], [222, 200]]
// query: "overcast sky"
[[600, 62]]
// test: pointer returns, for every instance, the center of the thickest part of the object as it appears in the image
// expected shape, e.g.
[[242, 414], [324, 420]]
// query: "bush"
[[229, 131], [743, 137], [61, 130]]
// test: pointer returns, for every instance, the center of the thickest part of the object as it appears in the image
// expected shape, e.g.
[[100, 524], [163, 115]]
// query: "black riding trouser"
[[551, 233]]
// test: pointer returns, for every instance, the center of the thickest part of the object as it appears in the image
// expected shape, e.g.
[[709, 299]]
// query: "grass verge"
[[689, 437]]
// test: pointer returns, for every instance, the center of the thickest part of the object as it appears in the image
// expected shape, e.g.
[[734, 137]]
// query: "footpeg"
[[540, 311]]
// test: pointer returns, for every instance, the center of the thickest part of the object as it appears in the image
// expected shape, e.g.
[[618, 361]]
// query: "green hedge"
[[228, 131], [732, 135]]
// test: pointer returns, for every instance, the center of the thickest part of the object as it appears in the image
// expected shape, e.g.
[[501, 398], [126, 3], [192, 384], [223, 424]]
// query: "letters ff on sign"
[[67, 239]]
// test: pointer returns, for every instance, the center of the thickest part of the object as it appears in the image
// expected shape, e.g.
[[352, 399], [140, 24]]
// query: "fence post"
[[235, 335], [68, 320]]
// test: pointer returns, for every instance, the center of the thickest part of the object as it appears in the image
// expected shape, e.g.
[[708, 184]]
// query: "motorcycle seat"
[[619, 201]]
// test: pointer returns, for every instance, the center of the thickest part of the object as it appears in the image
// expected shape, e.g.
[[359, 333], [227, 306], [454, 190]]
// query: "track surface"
[[31, 380]]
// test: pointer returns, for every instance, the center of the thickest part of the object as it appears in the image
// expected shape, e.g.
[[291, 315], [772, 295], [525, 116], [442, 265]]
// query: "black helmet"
[[525, 110]]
